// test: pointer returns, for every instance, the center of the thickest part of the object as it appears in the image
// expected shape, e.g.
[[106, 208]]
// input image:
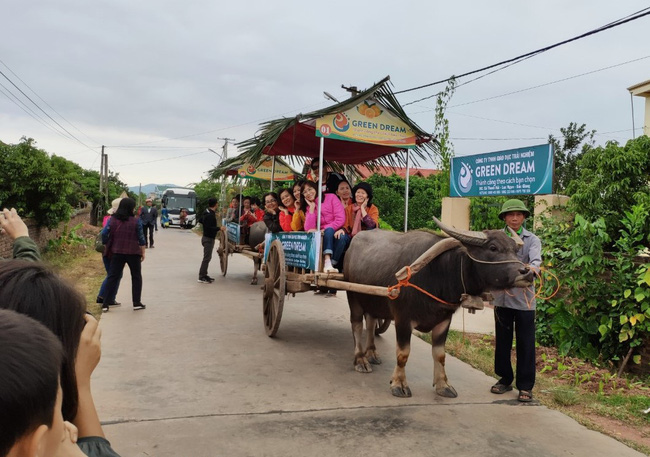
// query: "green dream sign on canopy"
[[522, 171]]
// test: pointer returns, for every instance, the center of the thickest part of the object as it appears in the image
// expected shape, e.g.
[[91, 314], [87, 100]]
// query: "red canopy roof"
[[300, 139]]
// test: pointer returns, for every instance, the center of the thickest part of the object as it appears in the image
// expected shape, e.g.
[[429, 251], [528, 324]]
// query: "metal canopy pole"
[[320, 179], [406, 194], [272, 173]]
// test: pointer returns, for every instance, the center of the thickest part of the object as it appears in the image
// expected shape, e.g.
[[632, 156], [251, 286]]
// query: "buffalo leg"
[[398, 385], [256, 267], [361, 363], [371, 349], [438, 339]]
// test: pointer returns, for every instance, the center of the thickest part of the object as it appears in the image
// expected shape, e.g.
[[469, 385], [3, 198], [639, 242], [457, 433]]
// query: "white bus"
[[177, 198]]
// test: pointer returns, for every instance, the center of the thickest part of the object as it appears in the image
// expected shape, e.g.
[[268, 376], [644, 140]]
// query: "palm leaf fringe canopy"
[[295, 138]]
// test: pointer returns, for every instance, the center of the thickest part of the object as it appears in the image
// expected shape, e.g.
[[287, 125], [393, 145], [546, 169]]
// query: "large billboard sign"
[[367, 122], [523, 171]]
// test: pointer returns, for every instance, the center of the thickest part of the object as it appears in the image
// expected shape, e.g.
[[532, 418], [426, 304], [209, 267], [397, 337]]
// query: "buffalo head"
[[494, 256]]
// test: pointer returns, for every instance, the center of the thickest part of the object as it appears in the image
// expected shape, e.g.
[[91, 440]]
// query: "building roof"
[[365, 172], [641, 89]]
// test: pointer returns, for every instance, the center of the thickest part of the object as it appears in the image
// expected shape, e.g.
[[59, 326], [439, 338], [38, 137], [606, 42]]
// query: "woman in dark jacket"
[[125, 244], [272, 212]]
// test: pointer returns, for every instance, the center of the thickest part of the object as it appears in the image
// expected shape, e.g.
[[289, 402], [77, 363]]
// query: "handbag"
[[99, 246]]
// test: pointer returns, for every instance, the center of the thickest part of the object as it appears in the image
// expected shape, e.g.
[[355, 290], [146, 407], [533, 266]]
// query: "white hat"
[[114, 205]]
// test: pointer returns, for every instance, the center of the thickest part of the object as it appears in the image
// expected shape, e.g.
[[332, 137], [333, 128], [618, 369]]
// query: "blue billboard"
[[522, 171]]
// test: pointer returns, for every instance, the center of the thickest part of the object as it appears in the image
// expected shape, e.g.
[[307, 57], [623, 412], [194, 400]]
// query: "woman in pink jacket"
[[332, 219]]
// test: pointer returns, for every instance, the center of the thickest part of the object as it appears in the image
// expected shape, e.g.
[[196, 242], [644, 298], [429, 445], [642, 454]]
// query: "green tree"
[[567, 151], [610, 181], [34, 184]]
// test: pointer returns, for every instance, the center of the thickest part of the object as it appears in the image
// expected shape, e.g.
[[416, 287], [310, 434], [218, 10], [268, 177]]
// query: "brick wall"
[[42, 235]]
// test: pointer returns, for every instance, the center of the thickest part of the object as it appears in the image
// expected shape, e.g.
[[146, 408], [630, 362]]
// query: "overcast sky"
[[159, 82]]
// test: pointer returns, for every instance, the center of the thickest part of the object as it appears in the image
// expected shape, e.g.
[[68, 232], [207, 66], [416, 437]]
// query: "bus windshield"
[[180, 201]]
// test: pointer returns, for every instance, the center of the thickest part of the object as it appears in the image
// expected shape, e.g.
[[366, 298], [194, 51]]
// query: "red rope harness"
[[405, 283]]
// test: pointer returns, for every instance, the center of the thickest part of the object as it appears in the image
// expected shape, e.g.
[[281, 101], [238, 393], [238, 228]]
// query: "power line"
[[632, 17], [43, 111], [20, 104], [46, 103], [528, 88]]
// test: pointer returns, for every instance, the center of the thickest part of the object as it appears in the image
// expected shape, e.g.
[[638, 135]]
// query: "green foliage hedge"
[[47, 188]]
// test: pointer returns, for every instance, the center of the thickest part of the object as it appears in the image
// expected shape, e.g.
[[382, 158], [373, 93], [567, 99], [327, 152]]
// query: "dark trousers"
[[522, 322], [102, 289], [208, 247], [145, 229], [115, 273]]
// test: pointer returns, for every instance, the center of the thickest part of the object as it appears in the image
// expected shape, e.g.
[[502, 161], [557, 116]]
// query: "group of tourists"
[[49, 348]]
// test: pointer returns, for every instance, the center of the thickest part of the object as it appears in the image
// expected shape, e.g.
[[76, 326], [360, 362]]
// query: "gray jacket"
[[531, 255]]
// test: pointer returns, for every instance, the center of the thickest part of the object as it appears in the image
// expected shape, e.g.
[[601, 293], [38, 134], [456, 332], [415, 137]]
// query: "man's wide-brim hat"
[[114, 205], [513, 205]]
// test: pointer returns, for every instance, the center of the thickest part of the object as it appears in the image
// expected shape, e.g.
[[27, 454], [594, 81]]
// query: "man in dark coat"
[[210, 230], [149, 218]]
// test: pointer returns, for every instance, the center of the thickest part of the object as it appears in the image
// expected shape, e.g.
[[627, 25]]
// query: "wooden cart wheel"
[[275, 277], [381, 326], [222, 250]]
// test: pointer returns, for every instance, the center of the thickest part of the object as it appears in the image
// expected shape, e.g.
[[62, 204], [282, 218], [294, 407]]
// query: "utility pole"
[[354, 91], [106, 178], [224, 156]]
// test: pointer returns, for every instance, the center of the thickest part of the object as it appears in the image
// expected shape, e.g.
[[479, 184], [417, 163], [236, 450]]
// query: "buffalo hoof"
[[447, 391], [374, 359], [362, 366], [254, 281], [400, 391]]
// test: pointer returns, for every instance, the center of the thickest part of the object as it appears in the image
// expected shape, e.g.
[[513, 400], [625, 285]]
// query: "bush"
[[602, 310]]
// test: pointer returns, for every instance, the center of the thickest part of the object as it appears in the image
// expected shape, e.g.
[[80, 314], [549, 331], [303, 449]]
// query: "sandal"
[[499, 388], [525, 396]]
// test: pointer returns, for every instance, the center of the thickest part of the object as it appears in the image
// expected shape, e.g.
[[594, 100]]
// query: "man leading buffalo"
[[514, 312]]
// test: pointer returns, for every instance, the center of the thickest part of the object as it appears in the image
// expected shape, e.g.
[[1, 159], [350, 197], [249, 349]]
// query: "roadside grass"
[[75, 259], [591, 395]]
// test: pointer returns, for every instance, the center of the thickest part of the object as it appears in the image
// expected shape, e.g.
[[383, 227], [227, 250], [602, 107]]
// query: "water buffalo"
[[481, 262]]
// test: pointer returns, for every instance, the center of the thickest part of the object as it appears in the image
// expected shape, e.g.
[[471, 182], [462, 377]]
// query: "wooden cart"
[[377, 133]]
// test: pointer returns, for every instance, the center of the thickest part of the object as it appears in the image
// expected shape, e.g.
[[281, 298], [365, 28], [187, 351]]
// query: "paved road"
[[195, 375]]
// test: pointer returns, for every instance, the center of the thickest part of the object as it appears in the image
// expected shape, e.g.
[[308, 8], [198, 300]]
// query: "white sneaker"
[[328, 268]]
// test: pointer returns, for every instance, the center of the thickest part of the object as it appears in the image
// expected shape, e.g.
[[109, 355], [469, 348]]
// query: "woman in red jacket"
[[287, 208]]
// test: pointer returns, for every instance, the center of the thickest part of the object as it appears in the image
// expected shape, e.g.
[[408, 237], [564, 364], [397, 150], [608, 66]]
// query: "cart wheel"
[[381, 326], [222, 250], [274, 288]]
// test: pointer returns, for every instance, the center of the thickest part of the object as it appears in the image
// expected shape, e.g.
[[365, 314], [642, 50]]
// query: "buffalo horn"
[[464, 236], [516, 237]]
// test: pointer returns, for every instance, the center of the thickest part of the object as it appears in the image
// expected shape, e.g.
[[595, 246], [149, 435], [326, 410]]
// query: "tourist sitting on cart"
[[361, 215], [232, 215], [332, 219], [287, 207], [298, 221], [344, 193], [247, 218], [255, 208], [272, 212]]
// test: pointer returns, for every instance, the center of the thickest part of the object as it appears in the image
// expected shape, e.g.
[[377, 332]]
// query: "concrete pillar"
[[455, 211], [550, 206], [643, 90]]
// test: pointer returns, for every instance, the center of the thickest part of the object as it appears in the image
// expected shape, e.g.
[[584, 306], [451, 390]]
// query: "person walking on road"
[[149, 218], [210, 230], [514, 312], [124, 243]]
